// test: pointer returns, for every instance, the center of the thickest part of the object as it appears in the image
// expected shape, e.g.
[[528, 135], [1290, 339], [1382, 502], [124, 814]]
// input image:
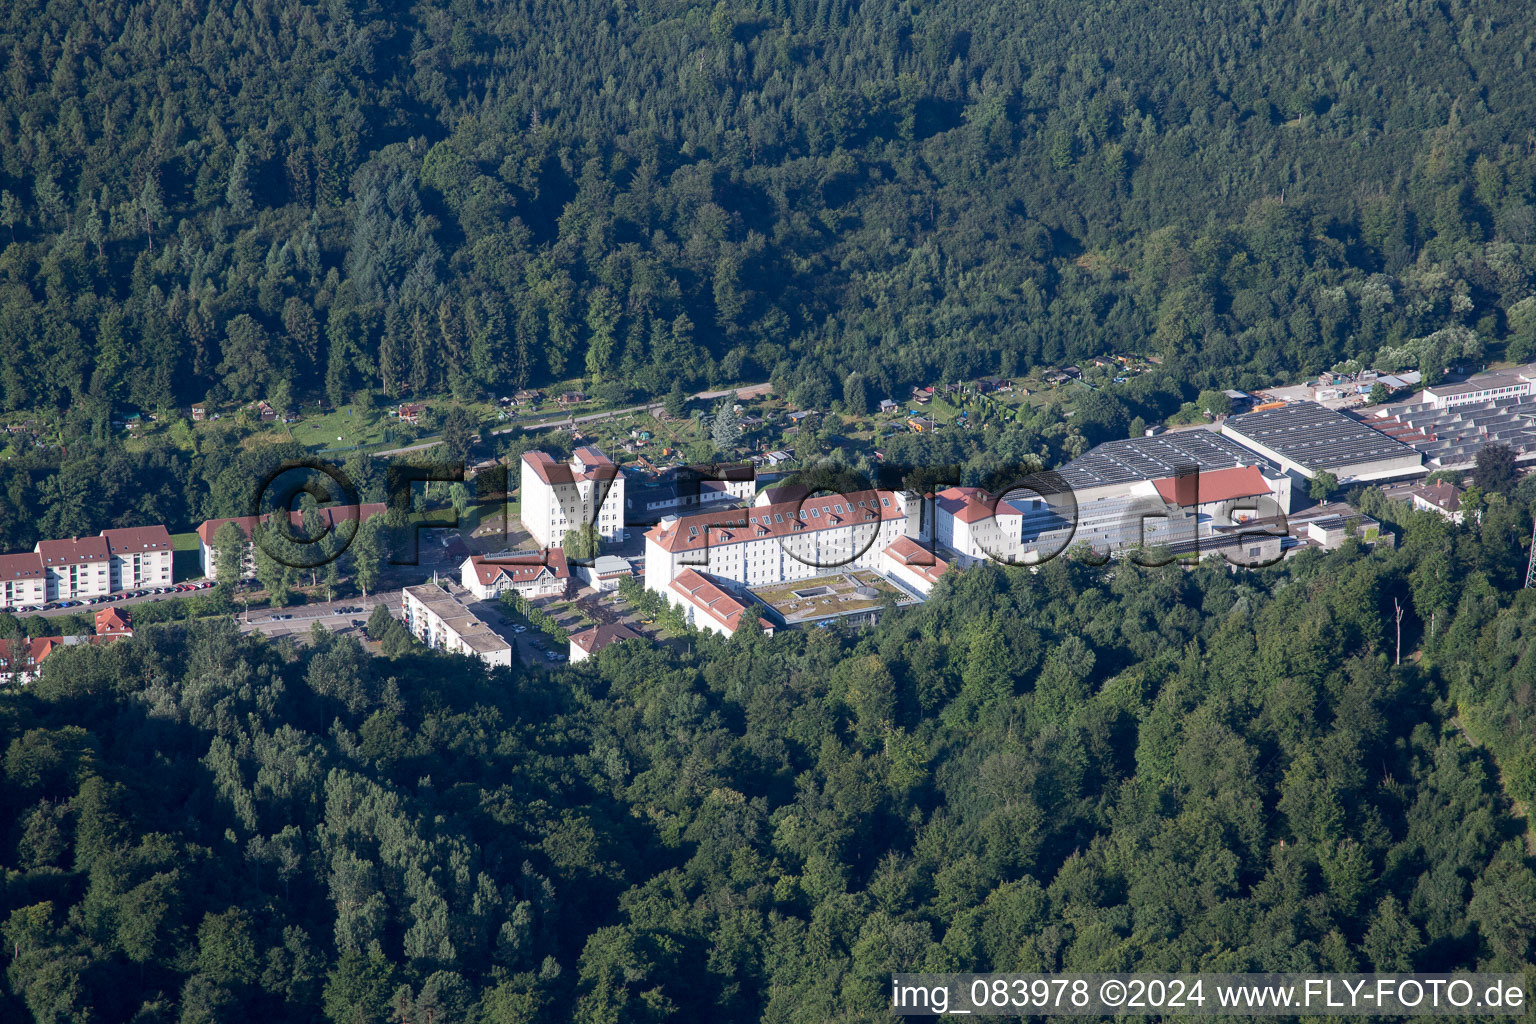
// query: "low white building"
[[914, 566], [779, 541], [1496, 385], [530, 573], [589, 641], [558, 497], [605, 572], [141, 557], [707, 605], [439, 619]]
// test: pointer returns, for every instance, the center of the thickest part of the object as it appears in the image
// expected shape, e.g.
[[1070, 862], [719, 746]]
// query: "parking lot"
[[129, 598]]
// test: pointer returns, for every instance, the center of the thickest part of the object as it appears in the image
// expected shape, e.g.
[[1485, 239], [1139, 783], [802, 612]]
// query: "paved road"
[[304, 616], [744, 392]]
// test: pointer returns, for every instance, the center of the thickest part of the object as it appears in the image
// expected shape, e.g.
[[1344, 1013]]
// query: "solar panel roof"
[[1150, 458], [1315, 437]]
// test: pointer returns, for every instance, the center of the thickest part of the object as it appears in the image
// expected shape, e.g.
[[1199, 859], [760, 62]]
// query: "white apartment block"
[[333, 517], [439, 619], [532, 574], [780, 541], [141, 557], [77, 568], [23, 582], [559, 497]]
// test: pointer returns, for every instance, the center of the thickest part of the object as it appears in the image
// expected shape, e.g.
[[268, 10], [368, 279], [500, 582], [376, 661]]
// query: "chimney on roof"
[[1186, 486]]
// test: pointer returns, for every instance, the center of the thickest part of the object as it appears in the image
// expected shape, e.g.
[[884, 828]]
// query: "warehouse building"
[[1305, 438], [1451, 437], [1115, 468]]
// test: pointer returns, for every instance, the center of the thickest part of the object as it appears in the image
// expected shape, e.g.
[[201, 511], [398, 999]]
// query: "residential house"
[[410, 412], [569, 398], [887, 405], [589, 641], [1442, 498], [530, 573], [114, 621]]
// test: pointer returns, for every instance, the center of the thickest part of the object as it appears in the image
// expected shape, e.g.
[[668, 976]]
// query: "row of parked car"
[[107, 598]]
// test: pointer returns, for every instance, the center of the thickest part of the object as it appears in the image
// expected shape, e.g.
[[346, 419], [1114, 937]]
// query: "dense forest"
[[219, 201], [364, 200], [1074, 769]]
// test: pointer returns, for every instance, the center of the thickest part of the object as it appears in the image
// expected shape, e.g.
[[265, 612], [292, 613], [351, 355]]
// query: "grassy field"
[[185, 564]]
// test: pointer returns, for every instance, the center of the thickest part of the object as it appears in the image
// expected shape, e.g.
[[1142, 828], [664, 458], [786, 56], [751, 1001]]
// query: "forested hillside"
[[207, 200], [1068, 770]]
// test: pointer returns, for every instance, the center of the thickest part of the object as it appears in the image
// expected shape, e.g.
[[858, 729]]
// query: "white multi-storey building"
[[978, 528], [141, 557], [86, 567], [23, 582], [779, 541], [77, 568], [332, 517], [559, 497], [439, 619]]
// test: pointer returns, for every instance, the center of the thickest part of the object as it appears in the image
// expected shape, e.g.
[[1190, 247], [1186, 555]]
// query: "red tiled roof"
[[21, 566], [552, 472], [919, 559], [1218, 485], [973, 504], [780, 519], [521, 569], [595, 639], [73, 551], [332, 515], [590, 456], [705, 595], [113, 621], [137, 538]]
